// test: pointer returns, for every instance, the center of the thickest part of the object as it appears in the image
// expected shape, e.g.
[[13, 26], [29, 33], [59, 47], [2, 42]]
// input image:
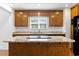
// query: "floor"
[[5, 53]]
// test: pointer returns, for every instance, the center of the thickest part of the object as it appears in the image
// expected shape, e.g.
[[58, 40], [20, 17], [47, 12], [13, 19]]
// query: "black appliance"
[[76, 35]]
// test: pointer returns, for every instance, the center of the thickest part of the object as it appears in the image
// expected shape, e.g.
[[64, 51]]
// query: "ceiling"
[[41, 6]]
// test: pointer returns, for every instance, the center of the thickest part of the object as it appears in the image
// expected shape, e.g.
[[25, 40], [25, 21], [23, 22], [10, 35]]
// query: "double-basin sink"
[[38, 38], [33, 38]]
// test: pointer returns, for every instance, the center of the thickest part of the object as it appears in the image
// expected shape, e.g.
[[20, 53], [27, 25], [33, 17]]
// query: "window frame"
[[29, 21]]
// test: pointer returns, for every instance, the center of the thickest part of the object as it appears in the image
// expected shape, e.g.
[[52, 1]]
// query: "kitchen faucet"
[[39, 35]]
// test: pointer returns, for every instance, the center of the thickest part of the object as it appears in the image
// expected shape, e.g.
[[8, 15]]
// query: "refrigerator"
[[76, 35]]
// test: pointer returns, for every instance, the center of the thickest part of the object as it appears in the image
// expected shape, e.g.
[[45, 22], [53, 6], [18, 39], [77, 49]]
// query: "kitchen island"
[[56, 46]]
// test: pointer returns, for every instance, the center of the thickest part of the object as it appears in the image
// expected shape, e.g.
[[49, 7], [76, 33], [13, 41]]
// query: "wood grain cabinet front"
[[21, 17], [58, 49], [56, 19], [74, 11], [38, 49]]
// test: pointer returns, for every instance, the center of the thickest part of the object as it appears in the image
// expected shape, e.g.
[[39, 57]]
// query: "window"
[[38, 22]]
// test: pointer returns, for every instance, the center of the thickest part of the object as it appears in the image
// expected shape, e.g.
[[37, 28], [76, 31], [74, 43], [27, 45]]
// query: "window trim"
[[38, 16]]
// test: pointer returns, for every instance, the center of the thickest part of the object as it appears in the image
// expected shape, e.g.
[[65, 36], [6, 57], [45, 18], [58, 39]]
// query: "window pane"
[[42, 26], [34, 26], [35, 20], [40, 22]]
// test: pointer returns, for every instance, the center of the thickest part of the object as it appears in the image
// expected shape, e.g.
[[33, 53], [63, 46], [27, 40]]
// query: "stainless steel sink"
[[38, 38]]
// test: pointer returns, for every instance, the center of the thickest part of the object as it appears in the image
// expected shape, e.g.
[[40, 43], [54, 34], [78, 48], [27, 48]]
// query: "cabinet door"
[[19, 49], [58, 49], [18, 19], [56, 19], [59, 19], [35, 48], [39, 49], [44, 49], [75, 11], [52, 19], [21, 20], [52, 49]]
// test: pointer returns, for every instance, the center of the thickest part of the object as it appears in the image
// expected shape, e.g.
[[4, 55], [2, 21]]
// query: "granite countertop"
[[53, 39]]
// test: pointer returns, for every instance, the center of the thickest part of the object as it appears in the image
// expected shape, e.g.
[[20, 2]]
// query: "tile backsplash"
[[50, 29]]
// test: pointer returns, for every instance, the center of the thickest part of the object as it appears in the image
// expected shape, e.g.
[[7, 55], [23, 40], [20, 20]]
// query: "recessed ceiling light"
[[20, 12], [38, 13], [24, 16], [57, 12], [52, 16]]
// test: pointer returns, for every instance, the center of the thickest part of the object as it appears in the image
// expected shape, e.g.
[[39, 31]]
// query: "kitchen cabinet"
[[56, 19], [21, 17], [59, 49], [59, 19], [39, 49], [74, 11], [21, 20]]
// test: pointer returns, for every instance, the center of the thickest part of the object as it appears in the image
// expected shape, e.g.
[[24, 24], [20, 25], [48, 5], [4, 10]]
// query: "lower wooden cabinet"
[[59, 49], [39, 49]]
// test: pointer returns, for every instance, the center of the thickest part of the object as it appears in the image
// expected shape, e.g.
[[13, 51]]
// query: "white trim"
[[28, 22], [47, 22], [6, 8]]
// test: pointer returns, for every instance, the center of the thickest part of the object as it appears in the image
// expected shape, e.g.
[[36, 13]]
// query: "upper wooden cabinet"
[[21, 19], [74, 11], [55, 17]]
